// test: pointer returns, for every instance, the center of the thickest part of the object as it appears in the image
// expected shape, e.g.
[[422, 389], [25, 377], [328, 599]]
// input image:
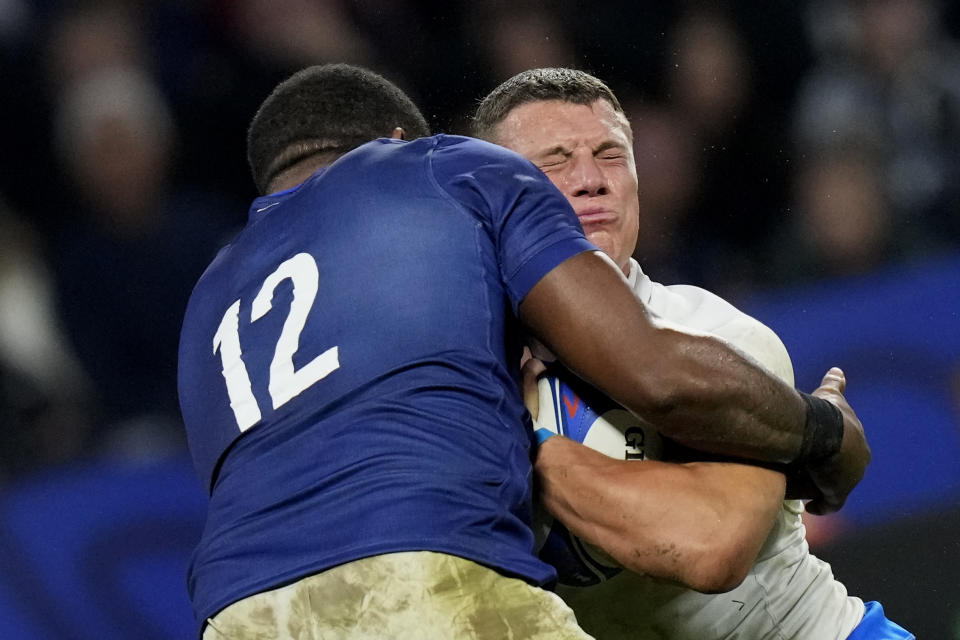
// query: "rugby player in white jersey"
[[571, 125]]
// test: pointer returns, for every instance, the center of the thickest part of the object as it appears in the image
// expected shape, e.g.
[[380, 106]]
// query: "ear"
[[398, 134]]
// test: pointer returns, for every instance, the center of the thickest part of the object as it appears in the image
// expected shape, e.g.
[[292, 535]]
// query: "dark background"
[[799, 158]]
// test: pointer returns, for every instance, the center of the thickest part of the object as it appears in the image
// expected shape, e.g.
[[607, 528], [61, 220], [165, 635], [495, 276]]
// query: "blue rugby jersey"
[[348, 369]]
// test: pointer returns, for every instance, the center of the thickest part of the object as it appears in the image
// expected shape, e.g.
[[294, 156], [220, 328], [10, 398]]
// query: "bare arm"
[[685, 384], [692, 388], [700, 524]]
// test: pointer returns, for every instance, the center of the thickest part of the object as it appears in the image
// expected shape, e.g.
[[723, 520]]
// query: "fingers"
[[534, 367], [835, 379], [398, 133], [527, 354], [836, 477]]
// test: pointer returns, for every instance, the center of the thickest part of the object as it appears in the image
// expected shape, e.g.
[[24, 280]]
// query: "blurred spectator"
[[839, 224], [128, 255], [43, 403], [668, 178], [710, 82], [501, 38], [220, 58], [888, 82], [88, 36], [516, 36], [708, 166], [297, 33]]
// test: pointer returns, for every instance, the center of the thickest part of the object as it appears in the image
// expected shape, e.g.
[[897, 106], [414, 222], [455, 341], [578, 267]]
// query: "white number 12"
[[286, 382]]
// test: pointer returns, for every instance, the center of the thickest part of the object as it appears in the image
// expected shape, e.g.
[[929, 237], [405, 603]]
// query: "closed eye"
[[610, 151], [552, 161]]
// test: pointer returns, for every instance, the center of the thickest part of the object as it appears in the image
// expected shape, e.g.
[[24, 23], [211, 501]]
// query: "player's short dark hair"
[[326, 110], [536, 85]]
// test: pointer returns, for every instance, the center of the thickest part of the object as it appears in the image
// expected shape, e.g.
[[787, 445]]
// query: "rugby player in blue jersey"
[[724, 528], [349, 369]]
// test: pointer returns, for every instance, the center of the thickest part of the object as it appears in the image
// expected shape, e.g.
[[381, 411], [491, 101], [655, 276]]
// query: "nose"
[[586, 178]]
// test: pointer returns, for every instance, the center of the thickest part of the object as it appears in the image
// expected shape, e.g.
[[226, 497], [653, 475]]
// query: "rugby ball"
[[572, 408]]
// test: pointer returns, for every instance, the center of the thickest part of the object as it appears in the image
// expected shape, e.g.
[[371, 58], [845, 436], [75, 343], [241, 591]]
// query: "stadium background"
[[800, 158]]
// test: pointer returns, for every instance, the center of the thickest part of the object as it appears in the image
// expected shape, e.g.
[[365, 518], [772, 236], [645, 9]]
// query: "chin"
[[602, 240]]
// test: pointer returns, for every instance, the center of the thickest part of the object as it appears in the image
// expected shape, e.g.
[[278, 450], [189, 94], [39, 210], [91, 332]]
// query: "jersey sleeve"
[[532, 225]]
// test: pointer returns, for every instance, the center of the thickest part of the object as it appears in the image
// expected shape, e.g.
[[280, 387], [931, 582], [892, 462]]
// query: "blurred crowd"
[[777, 143]]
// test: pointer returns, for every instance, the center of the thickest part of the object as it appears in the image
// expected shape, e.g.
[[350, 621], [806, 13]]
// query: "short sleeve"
[[532, 225]]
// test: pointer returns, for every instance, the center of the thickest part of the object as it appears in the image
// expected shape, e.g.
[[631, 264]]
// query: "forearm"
[[698, 524], [708, 396], [692, 388]]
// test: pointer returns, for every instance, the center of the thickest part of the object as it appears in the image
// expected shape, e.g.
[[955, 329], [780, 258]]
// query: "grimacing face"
[[587, 152]]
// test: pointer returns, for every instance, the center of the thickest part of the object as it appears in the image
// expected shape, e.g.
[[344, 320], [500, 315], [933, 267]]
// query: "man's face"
[[587, 152]]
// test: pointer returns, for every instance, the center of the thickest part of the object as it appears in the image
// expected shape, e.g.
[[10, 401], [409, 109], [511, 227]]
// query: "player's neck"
[[298, 173]]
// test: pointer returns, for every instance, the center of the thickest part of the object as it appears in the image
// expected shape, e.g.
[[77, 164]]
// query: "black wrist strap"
[[823, 431]]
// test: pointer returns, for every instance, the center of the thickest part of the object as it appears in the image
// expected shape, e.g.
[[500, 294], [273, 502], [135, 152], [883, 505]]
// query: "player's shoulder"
[[700, 305], [704, 310], [463, 146], [686, 304], [444, 152], [460, 161]]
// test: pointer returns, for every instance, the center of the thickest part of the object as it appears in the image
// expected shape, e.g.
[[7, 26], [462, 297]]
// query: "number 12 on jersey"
[[285, 382]]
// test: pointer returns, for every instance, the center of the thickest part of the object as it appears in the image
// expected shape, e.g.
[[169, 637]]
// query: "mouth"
[[595, 216]]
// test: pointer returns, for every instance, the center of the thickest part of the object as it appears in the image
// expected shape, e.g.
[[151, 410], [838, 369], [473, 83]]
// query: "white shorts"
[[417, 595]]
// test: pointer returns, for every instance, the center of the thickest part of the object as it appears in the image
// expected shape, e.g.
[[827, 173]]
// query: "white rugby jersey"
[[788, 594]]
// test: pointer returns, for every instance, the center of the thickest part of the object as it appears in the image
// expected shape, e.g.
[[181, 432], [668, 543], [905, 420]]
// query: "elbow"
[[716, 571], [718, 578], [704, 565], [724, 555]]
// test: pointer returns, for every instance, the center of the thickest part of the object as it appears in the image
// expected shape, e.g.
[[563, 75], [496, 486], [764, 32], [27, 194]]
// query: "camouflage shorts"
[[414, 595]]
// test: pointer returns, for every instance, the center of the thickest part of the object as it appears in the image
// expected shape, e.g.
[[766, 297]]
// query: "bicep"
[[585, 313]]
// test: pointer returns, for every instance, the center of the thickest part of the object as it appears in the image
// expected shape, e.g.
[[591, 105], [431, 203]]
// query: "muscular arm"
[[700, 524], [693, 388]]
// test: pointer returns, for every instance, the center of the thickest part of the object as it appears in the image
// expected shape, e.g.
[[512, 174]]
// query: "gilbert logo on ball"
[[572, 408]]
